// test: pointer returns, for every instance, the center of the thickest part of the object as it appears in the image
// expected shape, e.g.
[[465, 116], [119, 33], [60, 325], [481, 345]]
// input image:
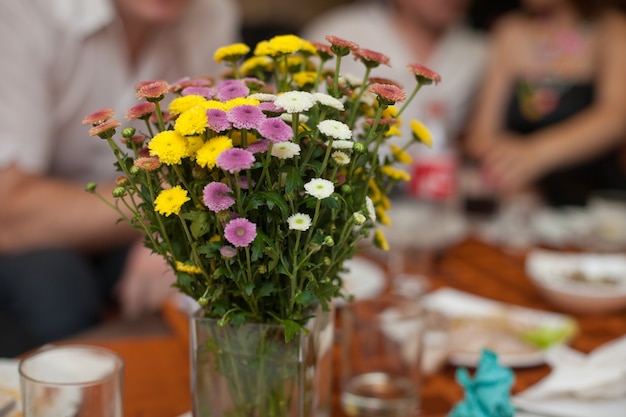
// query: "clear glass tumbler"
[[72, 381]]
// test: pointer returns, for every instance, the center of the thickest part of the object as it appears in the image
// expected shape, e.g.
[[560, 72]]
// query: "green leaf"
[[274, 199], [294, 181], [305, 298], [249, 288], [291, 329], [266, 289], [200, 224]]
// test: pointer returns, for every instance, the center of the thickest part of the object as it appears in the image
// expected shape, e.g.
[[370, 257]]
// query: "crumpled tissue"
[[488, 394]]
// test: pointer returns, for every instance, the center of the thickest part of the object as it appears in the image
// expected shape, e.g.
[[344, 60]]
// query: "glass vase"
[[250, 371]]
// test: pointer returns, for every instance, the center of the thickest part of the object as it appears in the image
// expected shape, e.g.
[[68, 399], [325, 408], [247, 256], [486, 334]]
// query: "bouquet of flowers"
[[256, 192]]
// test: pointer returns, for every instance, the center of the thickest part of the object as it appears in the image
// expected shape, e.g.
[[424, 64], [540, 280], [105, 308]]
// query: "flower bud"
[[358, 147], [262, 269], [329, 241], [119, 192], [346, 189], [91, 187], [326, 261], [359, 218], [203, 301], [134, 170], [121, 181], [128, 132]]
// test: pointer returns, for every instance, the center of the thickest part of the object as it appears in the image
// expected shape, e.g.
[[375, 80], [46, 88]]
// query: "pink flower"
[[153, 90], [269, 107], [323, 50], [341, 46], [142, 110], [218, 120], [99, 116], [206, 92], [387, 92], [183, 83], [229, 89], [381, 80], [228, 251], [150, 163], [260, 146], [240, 232], [235, 159], [105, 129], [245, 116], [217, 196], [275, 129], [370, 58], [424, 75]]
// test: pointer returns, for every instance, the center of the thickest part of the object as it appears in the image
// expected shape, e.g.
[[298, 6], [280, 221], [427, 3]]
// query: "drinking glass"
[[381, 356], [71, 381]]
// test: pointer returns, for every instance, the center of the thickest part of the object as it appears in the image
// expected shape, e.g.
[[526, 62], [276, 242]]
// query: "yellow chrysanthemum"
[[380, 240], [384, 202], [256, 64], [231, 52], [235, 136], [393, 130], [391, 112], [307, 48], [170, 201], [193, 144], [395, 174], [381, 215], [373, 191], [207, 155], [214, 104], [192, 122], [304, 78], [401, 155], [285, 44], [240, 101], [184, 103], [215, 238], [421, 133], [187, 269], [263, 48], [169, 146]]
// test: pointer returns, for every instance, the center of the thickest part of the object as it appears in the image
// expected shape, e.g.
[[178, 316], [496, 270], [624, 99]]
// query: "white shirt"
[[459, 58], [63, 59]]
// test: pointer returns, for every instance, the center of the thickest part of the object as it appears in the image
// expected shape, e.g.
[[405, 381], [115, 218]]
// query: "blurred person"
[[61, 253], [551, 112], [429, 32]]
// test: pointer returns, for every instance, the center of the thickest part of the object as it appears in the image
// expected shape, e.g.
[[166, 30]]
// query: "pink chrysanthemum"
[[424, 75], [206, 92], [253, 83], [389, 93], [217, 196], [180, 85], [389, 121], [243, 183], [99, 116], [105, 128], [142, 110], [323, 50], [150, 163], [228, 251], [269, 107], [218, 120], [235, 159], [382, 80], [245, 116], [275, 129], [240, 232], [230, 89], [153, 90], [370, 58], [143, 152], [341, 46], [260, 146]]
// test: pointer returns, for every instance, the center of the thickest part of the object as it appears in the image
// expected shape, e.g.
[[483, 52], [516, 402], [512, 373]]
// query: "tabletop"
[[157, 368]]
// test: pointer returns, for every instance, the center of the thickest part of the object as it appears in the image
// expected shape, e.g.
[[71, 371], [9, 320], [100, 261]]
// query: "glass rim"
[[117, 370]]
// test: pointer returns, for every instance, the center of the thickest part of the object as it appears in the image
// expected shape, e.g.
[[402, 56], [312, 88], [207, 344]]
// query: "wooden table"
[[157, 368]]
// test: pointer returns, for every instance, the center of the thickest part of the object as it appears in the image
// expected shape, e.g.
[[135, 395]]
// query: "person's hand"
[[146, 282]]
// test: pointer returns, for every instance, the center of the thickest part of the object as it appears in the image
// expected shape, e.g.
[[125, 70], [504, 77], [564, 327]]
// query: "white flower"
[[295, 101], [263, 96], [341, 158], [350, 79], [328, 100], [335, 129], [368, 98], [359, 218], [303, 118], [371, 211], [342, 144], [319, 188], [285, 150], [299, 221]]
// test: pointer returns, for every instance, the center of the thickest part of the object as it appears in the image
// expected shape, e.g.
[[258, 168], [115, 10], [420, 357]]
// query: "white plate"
[[363, 279], [572, 407], [477, 311]]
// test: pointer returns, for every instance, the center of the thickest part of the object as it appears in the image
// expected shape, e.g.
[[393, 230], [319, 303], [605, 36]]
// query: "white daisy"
[[303, 118], [368, 98], [295, 101], [335, 129], [341, 158], [350, 79], [328, 100], [319, 188], [369, 206], [342, 144], [285, 150], [299, 221], [263, 96]]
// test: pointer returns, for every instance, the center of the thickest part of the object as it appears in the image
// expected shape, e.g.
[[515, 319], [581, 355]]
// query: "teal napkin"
[[488, 394]]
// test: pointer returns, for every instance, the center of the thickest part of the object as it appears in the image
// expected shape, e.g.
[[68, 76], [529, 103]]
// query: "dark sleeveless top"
[[533, 107]]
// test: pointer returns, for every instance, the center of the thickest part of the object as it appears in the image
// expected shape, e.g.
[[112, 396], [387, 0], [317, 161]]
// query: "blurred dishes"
[[579, 282], [363, 279], [607, 211]]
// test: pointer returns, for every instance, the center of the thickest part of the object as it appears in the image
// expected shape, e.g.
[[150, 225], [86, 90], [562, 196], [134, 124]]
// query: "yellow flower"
[[256, 64], [380, 240], [214, 104], [393, 131], [395, 174], [235, 136], [382, 216], [207, 155], [263, 48], [307, 48], [304, 78], [231, 52], [192, 122], [240, 101], [193, 144], [188, 269], [384, 202], [285, 44], [401, 155], [421, 133], [215, 238], [391, 112], [169, 146], [374, 192], [184, 103], [171, 200]]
